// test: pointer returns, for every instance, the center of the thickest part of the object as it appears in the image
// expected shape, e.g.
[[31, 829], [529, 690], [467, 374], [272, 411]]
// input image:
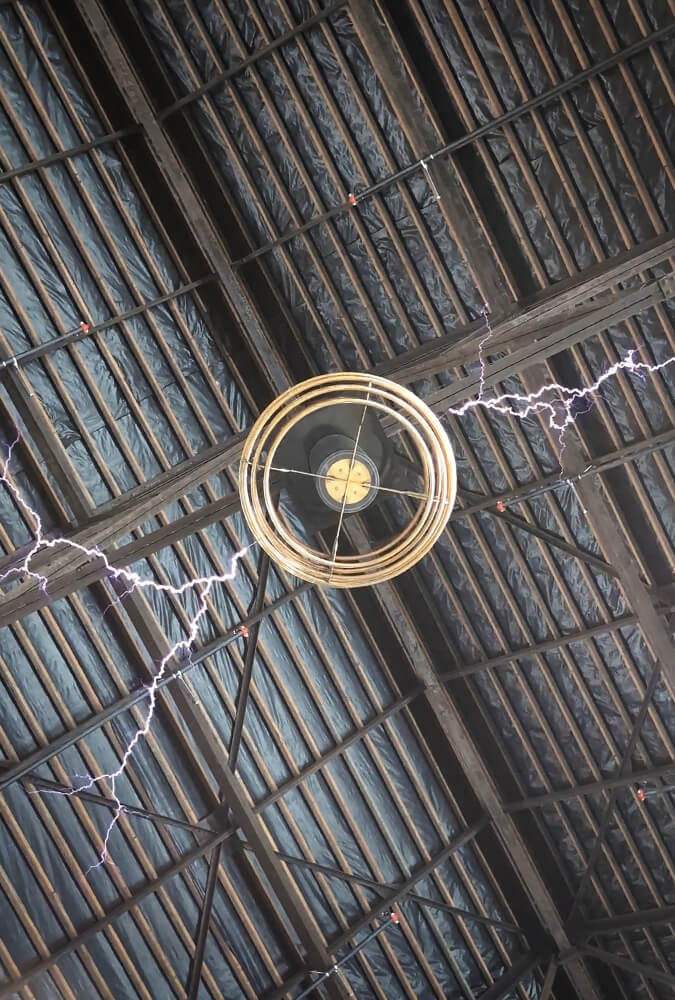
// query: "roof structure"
[[203, 202]]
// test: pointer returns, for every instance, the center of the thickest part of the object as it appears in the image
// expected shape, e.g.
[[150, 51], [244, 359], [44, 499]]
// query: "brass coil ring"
[[388, 399]]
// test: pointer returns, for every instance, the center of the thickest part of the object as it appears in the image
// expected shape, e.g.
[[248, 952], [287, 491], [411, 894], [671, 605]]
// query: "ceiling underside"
[[463, 744]]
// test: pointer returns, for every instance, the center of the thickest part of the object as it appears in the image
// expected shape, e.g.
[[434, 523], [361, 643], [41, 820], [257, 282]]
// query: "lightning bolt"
[[202, 586], [559, 404], [485, 313]]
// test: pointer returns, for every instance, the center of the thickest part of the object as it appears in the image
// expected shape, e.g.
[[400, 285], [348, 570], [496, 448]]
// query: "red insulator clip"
[[395, 919], [84, 327], [351, 198], [243, 631], [501, 506], [640, 794]]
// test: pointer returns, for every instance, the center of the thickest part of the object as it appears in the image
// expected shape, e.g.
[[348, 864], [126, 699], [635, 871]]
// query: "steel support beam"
[[555, 541], [249, 661], [556, 480], [112, 805], [67, 154], [234, 794], [67, 582], [197, 963], [88, 330], [455, 730], [623, 770], [546, 646], [44, 754], [198, 220], [507, 984], [570, 331], [12, 987], [379, 39], [386, 888], [388, 901], [627, 922], [615, 59], [602, 521], [221, 78], [549, 979], [591, 788], [636, 968], [119, 516]]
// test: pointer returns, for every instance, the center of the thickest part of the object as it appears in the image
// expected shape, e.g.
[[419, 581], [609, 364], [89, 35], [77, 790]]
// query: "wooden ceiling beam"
[[447, 181]]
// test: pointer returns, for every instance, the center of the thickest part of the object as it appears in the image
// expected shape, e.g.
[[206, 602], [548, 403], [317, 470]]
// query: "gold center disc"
[[340, 481]]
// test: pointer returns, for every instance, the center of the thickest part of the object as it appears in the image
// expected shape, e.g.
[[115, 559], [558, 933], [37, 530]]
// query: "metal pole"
[[390, 918], [590, 788], [197, 963], [87, 330], [549, 95], [384, 888], [277, 43], [67, 154], [556, 480], [43, 784]]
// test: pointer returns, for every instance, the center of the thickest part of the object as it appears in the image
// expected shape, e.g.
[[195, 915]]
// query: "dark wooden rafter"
[[448, 183], [198, 219]]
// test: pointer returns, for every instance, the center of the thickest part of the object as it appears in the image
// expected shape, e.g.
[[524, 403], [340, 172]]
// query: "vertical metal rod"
[[197, 963], [391, 918], [249, 660]]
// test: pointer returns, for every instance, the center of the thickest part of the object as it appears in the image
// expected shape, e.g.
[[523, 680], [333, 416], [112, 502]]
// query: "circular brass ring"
[[430, 443]]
